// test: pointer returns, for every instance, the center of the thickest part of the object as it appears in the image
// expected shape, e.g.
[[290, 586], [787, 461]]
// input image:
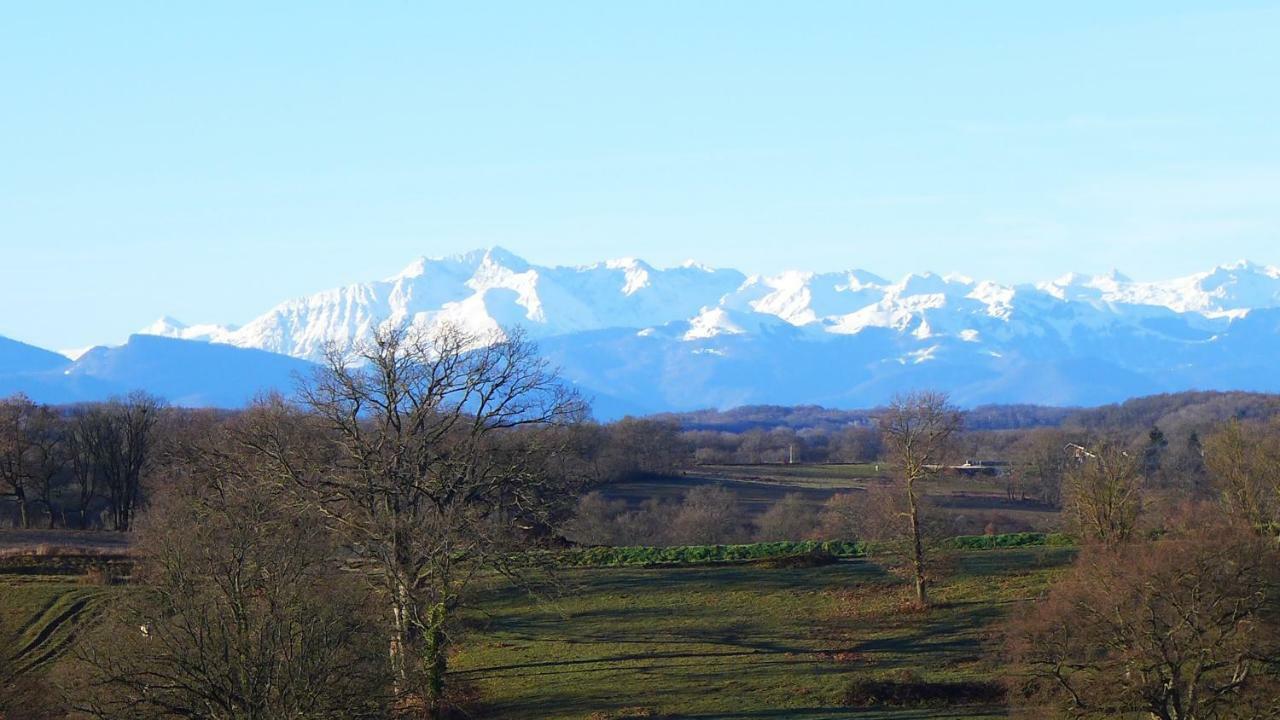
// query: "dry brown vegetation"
[[337, 543], [1183, 628]]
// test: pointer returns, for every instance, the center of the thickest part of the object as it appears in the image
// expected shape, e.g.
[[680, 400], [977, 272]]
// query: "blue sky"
[[207, 160]]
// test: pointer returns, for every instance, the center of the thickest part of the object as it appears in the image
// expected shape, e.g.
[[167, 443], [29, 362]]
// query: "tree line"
[[310, 557], [82, 466], [88, 466]]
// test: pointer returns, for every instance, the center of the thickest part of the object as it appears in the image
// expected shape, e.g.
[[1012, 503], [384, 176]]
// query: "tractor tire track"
[[23, 658]]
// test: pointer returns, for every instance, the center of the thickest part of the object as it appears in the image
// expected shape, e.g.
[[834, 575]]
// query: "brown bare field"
[[55, 543], [758, 487]]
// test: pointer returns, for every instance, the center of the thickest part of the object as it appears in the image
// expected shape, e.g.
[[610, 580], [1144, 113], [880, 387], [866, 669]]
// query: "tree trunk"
[[406, 642], [922, 593], [24, 515], [399, 641], [434, 655]]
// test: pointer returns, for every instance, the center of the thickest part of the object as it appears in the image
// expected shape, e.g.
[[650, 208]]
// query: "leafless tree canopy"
[[708, 515], [1104, 492], [1185, 628], [106, 448], [919, 431], [790, 518], [240, 613], [1243, 461], [32, 455], [436, 458]]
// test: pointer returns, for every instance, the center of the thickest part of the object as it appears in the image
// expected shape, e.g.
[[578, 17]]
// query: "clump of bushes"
[[709, 554], [782, 554], [1008, 540], [627, 714], [909, 690]]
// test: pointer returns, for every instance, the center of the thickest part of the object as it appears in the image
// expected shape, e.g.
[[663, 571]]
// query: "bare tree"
[[638, 447], [241, 612], [919, 430], [595, 520], [1104, 492], [874, 515], [708, 515], [1181, 629], [80, 460], [841, 517], [16, 450], [430, 465], [1038, 458], [1244, 465], [117, 441], [790, 518], [49, 459]]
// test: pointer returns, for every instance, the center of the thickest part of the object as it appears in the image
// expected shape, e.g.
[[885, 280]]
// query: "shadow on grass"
[[554, 706], [1010, 562], [637, 662], [827, 713], [621, 582], [950, 630]]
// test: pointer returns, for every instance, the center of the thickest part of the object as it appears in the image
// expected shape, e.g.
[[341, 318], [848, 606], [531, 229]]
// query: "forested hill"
[[1186, 409]]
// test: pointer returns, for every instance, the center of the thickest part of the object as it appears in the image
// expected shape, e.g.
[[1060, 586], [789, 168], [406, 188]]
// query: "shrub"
[[1182, 627], [788, 519], [908, 690], [708, 554], [708, 514], [1008, 540], [812, 550]]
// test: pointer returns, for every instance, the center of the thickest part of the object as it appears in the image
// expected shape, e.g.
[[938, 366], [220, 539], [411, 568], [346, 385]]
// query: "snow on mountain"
[[1225, 291], [479, 291], [75, 353], [715, 321], [643, 338], [169, 327], [486, 290]]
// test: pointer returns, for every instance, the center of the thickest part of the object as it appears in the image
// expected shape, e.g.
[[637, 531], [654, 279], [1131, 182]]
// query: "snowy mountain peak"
[[928, 283], [655, 338], [859, 279], [1243, 265], [636, 272], [471, 261], [166, 326], [412, 270], [691, 264], [492, 288]]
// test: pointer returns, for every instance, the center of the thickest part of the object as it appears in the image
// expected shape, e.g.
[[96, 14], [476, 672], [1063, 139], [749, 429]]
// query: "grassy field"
[[741, 641], [801, 475], [52, 585], [41, 616]]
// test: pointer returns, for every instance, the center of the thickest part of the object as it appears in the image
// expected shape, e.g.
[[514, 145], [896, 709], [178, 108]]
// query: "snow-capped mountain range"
[[491, 289], [642, 338]]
